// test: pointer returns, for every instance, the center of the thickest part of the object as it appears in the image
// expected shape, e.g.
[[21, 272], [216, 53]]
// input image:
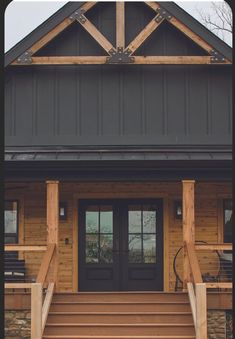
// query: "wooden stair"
[[120, 315]]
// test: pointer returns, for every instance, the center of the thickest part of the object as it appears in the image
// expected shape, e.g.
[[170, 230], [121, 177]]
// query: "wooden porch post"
[[53, 222], [188, 225]]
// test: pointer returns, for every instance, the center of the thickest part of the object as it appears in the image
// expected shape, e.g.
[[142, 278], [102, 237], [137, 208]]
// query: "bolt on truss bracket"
[[120, 56], [216, 57], [79, 16], [162, 14], [25, 58]]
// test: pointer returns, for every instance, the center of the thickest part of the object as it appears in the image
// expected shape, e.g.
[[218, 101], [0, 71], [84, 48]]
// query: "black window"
[[11, 222], [228, 214]]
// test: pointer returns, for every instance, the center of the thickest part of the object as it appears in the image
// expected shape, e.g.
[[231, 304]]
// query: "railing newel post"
[[36, 311]]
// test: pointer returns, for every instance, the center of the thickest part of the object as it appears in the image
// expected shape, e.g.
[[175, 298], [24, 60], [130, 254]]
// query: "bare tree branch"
[[219, 19]]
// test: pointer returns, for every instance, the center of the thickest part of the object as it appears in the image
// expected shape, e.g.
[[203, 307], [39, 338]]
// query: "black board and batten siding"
[[118, 104]]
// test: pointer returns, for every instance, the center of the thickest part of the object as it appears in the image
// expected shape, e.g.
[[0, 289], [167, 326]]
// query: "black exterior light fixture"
[[63, 211], [178, 209]]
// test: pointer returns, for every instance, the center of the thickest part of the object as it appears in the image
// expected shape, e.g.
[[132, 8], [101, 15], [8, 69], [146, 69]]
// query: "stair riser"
[[119, 319], [160, 297], [117, 330], [120, 308]]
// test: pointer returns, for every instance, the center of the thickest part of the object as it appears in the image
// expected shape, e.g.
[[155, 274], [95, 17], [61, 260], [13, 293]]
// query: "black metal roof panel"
[[70, 7], [118, 155]]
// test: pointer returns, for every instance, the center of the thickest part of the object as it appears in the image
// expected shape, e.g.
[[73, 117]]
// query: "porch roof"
[[118, 154]]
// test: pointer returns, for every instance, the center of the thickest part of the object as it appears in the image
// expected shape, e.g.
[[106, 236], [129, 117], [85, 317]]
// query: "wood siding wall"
[[33, 222]]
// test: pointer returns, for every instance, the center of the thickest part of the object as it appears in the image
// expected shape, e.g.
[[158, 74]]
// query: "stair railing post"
[[36, 311], [201, 311]]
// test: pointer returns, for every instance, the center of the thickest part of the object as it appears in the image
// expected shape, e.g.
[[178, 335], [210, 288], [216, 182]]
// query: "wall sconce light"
[[178, 209], [63, 211]]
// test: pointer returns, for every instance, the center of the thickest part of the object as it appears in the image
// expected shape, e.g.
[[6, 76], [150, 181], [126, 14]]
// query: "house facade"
[[118, 154]]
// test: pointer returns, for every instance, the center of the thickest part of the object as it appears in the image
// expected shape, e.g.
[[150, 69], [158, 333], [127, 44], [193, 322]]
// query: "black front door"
[[120, 245]]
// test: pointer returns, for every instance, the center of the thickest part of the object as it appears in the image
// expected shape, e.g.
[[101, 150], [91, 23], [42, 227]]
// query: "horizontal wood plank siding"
[[208, 196]]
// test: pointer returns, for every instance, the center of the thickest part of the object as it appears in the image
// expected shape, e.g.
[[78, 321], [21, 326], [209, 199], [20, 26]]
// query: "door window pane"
[[106, 248], [149, 219], [134, 219], [92, 248], [135, 248], [149, 248], [92, 219], [106, 219]]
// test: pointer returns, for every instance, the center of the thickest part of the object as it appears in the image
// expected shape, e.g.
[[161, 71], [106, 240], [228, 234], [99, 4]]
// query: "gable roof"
[[70, 7]]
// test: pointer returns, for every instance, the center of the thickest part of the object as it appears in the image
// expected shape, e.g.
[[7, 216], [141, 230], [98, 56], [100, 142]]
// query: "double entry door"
[[120, 245]]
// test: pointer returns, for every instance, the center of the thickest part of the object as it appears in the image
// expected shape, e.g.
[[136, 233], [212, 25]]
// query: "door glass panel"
[[99, 234], [106, 248], [92, 247], [142, 233], [149, 219], [106, 219], [92, 219], [135, 248], [149, 248], [134, 216]]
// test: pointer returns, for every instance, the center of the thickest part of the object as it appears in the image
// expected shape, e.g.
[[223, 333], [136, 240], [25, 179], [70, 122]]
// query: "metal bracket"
[[162, 14], [25, 58], [216, 57], [79, 16], [120, 56]]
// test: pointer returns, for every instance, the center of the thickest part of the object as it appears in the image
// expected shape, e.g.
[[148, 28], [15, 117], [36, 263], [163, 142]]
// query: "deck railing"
[[45, 279], [197, 288]]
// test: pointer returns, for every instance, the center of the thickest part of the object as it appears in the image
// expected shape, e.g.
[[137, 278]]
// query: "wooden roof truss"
[[120, 54]]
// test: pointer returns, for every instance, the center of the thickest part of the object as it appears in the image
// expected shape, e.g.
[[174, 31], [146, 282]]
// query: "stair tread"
[[120, 302], [120, 337], [121, 325], [119, 313]]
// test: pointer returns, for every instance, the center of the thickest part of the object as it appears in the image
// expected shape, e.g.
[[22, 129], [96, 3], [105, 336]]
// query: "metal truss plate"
[[79, 16], [25, 58], [216, 57], [120, 56], [162, 14]]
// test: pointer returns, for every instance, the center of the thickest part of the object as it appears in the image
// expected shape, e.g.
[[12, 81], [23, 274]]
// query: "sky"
[[22, 17]]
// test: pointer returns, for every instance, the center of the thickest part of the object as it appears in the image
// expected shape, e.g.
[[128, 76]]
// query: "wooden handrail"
[[214, 247], [194, 265], [25, 248], [45, 264], [47, 304], [17, 285]]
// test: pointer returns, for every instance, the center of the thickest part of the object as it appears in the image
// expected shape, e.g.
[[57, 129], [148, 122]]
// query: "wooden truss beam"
[[190, 34], [97, 35], [139, 60], [57, 30], [144, 34], [152, 5], [120, 24]]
